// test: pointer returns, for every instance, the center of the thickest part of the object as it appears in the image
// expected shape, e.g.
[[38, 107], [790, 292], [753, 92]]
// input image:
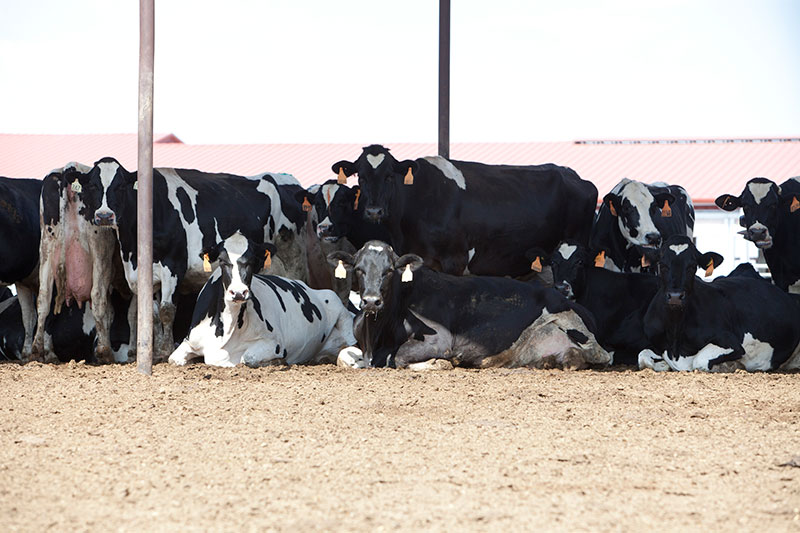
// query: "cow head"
[[66, 182], [238, 259], [378, 269], [569, 262], [678, 262], [380, 176], [105, 186], [635, 207], [761, 203], [335, 207]]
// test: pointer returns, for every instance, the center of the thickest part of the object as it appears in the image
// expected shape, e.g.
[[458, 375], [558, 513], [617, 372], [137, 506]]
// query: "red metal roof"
[[705, 167]]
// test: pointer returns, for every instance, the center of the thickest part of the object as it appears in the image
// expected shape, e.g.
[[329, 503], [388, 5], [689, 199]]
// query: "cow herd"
[[426, 263]]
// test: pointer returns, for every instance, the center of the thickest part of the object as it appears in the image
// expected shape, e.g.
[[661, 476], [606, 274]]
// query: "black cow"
[[411, 314], [19, 244], [463, 217], [772, 222], [635, 214], [618, 301], [694, 325]]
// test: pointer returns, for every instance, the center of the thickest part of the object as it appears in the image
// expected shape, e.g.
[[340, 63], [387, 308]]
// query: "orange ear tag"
[[409, 179], [536, 266], [306, 205], [600, 260], [795, 205], [342, 179], [267, 259], [666, 211], [355, 204], [710, 268], [611, 207], [206, 263], [645, 262]]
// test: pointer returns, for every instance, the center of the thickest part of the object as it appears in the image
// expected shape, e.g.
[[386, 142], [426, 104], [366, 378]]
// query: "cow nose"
[[757, 234], [371, 302], [104, 219], [676, 298], [323, 230], [564, 288], [374, 213], [653, 238], [239, 296]]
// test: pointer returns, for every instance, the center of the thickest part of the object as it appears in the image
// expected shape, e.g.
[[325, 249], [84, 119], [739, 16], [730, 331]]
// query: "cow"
[[244, 317], [635, 214], [465, 217], [771, 222], [618, 301], [19, 246], [730, 322], [192, 210], [77, 261], [412, 315]]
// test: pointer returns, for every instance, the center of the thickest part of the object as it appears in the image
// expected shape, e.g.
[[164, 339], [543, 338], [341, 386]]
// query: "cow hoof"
[[50, 357], [431, 364], [104, 356], [351, 357]]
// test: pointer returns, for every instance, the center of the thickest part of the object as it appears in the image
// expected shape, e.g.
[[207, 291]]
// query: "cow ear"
[[402, 167], [709, 261], [664, 196], [212, 252], [347, 259], [612, 201], [532, 254], [345, 167], [412, 261], [728, 202]]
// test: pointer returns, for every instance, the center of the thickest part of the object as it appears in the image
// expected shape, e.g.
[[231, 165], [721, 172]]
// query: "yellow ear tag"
[[342, 179], [206, 263], [306, 205], [136, 185], [710, 268], [600, 260], [666, 211], [407, 275], [611, 207], [409, 179], [795, 205], [645, 262], [267, 259], [341, 271], [76, 186], [355, 204], [536, 266]]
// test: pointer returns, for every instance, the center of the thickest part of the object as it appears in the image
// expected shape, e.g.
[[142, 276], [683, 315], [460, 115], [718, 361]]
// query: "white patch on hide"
[[375, 160], [678, 248], [757, 354], [759, 190], [448, 169], [566, 250]]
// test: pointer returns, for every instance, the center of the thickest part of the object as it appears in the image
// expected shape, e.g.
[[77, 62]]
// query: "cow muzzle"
[[676, 298], [371, 304], [324, 232], [565, 288], [238, 296], [759, 235], [105, 218], [374, 214]]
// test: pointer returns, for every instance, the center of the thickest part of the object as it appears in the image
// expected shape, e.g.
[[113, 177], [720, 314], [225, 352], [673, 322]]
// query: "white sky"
[[366, 70]]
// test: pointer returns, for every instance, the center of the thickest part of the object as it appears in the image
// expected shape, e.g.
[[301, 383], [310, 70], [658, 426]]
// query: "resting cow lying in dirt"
[[258, 320], [412, 315]]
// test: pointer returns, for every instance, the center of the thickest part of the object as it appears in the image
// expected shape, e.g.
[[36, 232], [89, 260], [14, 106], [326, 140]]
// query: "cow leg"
[[28, 308], [102, 319], [711, 355], [414, 351], [38, 351], [649, 359], [182, 354], [132, 323], [166, 313]]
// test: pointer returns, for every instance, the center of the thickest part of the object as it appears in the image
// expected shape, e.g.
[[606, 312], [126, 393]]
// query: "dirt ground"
[[86, 448]]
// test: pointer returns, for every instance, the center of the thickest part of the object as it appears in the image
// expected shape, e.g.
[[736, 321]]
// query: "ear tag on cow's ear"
[[342, 179], [267, 259], [136, 185], [536, 265], [600, 260], [355, 204], [76, 186], [407, 275], [341, 271], [645, 262], [409, 178], [710, 268], [306, 205], [666, 211], [206, 263], [795, 205], [611, 208]]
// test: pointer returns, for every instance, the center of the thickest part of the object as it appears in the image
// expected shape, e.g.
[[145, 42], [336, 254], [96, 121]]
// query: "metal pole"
[[444, 78], [144, 213]]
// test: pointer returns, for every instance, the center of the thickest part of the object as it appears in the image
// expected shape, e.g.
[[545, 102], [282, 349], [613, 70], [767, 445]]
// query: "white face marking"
[[236, 246], [759, 190], [375, 248], [641, 199], [107, 172], [329, 193], [375, 160], [678, 248], [566, 250], [448, 169]]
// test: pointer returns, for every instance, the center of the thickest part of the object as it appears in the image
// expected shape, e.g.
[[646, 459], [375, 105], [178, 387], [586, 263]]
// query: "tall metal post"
[[144, 213], [444, 78]]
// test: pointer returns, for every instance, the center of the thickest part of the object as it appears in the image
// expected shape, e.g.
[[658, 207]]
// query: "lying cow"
[[772, 222], [694, 325], [412, 314], [243, 317], [464, 217], [635, 214]]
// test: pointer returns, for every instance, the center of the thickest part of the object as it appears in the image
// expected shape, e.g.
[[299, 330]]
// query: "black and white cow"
[[695, 325], [464, 217], [192, 210], [411, 315], [243, 317], [638, 214], [77, 261], [771, 220], [618, 301], [19, 244]]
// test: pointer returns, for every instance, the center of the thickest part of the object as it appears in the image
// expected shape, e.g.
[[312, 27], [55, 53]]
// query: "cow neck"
[[780, 256], [211, 304], [126, 213]]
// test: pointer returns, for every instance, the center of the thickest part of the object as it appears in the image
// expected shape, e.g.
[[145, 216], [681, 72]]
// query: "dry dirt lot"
[[87, 448]]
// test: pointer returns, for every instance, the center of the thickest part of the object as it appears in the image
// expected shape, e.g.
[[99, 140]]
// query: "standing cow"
[[635, 214], [772, 222], [463, 217]]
